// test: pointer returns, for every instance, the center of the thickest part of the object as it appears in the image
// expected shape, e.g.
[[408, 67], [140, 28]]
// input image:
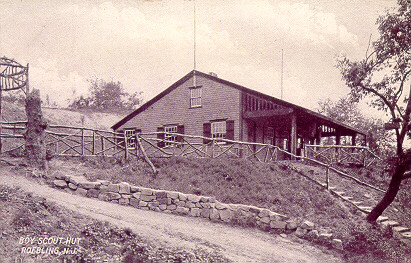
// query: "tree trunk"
[[35, 149], [390, 194]]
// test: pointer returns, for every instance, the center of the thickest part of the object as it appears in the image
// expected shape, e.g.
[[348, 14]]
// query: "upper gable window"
[[195, 97]]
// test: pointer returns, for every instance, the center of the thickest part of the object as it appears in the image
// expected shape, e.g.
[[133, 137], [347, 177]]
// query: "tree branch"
[[384, 99], [406, 175], [405, 122], [366, 52], [399, 92]]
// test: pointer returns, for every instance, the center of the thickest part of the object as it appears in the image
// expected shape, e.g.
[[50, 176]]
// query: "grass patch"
[[231, 181], [271, 186]]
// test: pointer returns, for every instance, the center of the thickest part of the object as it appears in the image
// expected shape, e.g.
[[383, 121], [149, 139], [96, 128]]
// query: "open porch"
[[291, 127]]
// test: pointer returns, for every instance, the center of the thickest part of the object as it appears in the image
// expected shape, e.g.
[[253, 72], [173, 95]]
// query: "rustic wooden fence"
[[12, 132], [79, 141], [63, 140], [341, 154], [203, 147]]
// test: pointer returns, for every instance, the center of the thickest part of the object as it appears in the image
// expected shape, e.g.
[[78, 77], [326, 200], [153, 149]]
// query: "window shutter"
[[180, 130], [229, 130], [206, 132], [160, 136]]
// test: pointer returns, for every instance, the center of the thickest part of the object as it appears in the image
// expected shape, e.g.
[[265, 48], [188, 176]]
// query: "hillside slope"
[[167, 230], [93, 120], [238, 181]]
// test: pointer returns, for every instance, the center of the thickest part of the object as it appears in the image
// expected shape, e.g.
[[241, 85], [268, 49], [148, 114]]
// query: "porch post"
[[337, 140], [293, 134], [318, 135], [353, 139]]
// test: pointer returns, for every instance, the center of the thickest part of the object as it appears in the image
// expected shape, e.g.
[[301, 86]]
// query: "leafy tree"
[[346, 111], [107, 96], [384, 76]]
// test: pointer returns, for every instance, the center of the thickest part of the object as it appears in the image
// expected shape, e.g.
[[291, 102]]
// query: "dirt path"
[[237, 244]]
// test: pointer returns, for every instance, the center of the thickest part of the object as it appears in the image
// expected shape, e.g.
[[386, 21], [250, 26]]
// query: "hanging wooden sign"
[[392, 126]]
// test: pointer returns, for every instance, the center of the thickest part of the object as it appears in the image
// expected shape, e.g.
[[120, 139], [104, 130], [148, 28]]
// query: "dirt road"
[[237, 244]]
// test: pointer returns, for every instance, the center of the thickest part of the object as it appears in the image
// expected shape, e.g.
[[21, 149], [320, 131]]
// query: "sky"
[[148, 45]]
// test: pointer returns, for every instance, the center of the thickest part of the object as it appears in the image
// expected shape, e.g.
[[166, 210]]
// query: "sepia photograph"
[[205, 131]]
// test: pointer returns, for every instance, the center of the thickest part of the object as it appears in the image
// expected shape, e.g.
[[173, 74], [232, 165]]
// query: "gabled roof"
[[236, 86]]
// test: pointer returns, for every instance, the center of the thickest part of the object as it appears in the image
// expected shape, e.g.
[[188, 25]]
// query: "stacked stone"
[[190, 205]]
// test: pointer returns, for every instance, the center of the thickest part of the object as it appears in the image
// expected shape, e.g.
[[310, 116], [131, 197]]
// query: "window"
[[195, 97], [218, 129], [164, 139], [130, 137], [169, 138]]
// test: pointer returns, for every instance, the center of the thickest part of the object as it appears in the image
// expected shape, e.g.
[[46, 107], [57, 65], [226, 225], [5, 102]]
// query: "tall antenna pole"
[[282, 71], [194, 50]]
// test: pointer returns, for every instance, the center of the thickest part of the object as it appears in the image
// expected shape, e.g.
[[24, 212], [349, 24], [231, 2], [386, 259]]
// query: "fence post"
[[267, 154], [57, 148], [327, 178], [82, 141], [125, 145], [102, 145], [93, 145], [212, 149]]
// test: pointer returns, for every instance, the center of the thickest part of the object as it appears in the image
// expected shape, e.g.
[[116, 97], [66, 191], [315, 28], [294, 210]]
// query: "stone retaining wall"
[[192, 205]]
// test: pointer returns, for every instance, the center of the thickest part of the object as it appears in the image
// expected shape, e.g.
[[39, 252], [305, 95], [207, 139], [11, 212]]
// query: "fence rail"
[[341, 154], [64, 140]]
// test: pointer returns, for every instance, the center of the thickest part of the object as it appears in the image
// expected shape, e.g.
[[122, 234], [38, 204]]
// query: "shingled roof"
[[313, 114]]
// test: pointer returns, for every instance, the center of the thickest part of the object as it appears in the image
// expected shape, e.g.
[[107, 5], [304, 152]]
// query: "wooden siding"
[[219, 101]]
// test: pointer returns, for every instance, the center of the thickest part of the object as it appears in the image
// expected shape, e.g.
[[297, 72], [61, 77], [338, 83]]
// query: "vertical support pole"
[[125, 145], [102, 144], [318, 135], [353, 137], [136, 144], [337, 142], [293, 134], [1, 117], [82, 141], [27, 82], [93, 145], [338, 139], [115, 141], [327, 178], [212, 149]]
